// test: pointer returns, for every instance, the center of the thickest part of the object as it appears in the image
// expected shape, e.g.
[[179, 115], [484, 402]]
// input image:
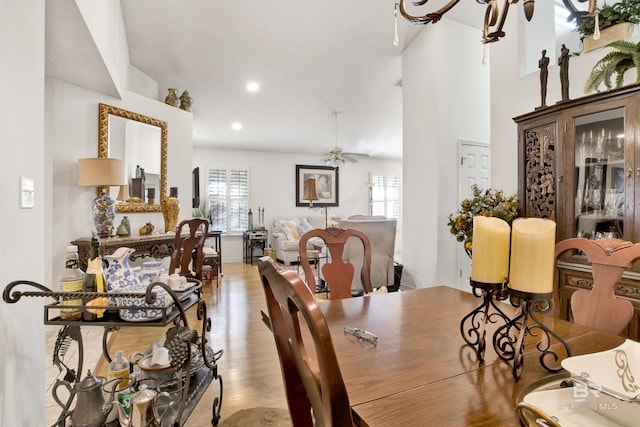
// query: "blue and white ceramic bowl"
[[151, 270], [137, 309]]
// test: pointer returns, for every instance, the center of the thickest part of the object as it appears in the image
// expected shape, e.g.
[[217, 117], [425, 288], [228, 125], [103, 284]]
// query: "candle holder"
[[473, 325], [508, 340]]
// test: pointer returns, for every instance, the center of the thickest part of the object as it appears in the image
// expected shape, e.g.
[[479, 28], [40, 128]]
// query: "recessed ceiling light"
[[236, 125], [253, 86]]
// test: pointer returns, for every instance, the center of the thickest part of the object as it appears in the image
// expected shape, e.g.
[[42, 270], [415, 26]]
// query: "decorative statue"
[[543, 64], [563, 62], [146, 229]]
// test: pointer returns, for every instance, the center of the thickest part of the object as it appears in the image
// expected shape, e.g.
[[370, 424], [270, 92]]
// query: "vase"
[[170, 210], [124, 228], [186, 101], [172, 99], [104, 212], [118, 274]]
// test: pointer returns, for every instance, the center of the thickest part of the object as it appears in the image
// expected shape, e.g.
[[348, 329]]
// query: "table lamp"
[[101, 172], [311, 194]]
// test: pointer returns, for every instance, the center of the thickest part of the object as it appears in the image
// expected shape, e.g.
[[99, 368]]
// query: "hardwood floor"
[[249, 366]]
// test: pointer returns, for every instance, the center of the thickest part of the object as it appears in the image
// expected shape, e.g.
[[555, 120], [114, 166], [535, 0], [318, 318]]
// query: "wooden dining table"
[[422, 373]]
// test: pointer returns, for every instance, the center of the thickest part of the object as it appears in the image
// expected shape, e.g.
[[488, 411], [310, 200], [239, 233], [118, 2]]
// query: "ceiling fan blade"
[[357, 154], [348, 158]]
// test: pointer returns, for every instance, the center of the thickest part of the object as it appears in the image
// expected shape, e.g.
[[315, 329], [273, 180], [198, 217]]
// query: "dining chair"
[[188, 252], [316, 394], [336, 272], [599, 308]]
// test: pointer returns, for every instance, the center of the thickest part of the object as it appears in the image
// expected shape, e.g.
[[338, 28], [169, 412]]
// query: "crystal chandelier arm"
[[428, 17]]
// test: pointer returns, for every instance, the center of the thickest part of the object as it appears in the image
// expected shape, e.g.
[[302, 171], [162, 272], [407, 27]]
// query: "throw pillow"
[[290, 228], [304, 226]]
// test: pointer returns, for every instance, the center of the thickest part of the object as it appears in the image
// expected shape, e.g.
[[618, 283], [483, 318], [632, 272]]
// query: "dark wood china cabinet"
[[579, 164]]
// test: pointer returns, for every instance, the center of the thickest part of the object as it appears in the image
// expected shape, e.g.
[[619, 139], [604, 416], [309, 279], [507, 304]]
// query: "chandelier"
[[495, 15]]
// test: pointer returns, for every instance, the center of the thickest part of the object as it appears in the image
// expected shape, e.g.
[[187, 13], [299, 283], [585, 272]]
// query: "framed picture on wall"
[[326, 184]]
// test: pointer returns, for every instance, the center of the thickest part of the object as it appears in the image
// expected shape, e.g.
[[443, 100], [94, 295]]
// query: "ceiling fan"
[[336, 155]]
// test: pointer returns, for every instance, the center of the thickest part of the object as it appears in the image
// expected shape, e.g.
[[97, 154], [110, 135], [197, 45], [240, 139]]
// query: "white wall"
[[74, 129], [23, 234], [272, 185], [444, 100]]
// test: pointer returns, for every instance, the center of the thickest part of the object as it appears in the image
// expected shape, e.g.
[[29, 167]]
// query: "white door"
[[474, 169]]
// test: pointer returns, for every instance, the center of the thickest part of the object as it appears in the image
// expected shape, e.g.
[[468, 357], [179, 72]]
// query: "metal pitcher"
[[144, 408], [91, 409]]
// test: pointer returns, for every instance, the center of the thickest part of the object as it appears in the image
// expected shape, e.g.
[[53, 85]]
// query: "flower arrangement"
[[489, 202]]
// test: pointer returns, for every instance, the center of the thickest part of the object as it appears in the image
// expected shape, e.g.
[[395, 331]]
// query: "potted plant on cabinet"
[[624, 56], [615, 22]]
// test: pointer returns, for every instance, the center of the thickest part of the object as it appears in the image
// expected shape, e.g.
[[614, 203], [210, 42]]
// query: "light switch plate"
[[27, 193]]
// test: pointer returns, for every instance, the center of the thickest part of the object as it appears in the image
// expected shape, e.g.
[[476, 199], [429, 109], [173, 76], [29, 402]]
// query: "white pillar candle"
[[532, 255], [490, 259]]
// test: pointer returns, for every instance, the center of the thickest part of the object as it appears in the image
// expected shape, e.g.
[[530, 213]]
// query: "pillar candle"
[[490, 259], [532, 255]]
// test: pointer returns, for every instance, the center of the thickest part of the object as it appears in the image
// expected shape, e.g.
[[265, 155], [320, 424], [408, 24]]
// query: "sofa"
[[285, 236], [382, 235]]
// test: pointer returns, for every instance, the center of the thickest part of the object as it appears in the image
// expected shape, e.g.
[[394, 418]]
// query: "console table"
[[155, 246], [254, 239]]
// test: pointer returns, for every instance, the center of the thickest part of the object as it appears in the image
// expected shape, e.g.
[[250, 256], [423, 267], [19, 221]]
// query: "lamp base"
[[104, 212]]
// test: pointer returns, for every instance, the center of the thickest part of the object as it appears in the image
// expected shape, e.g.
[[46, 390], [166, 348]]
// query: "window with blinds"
[[385, 195], [228, 199]]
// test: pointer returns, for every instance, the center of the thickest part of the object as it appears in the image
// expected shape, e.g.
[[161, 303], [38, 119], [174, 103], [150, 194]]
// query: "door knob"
[[629, 172]]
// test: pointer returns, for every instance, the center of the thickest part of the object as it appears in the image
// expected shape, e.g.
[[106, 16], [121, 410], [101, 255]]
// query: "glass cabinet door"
[[599, 190]]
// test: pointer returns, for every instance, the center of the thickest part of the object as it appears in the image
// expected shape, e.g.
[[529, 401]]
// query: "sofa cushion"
[[290, 228], [290, 245]]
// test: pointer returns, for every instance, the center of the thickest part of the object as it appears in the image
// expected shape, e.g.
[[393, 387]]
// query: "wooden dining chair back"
[[313, 382], [599, 308], [336, 272], [188, 248]]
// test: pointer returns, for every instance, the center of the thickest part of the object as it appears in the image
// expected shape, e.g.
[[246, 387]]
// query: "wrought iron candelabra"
[[508, 340], [473, 325]]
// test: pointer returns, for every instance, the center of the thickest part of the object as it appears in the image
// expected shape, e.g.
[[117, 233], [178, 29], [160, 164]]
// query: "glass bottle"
[[94, 282], [71, 281], [250, 220], [119, 368]]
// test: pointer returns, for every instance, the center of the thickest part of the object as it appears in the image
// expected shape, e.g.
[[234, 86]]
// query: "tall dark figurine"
[[543, 64], [563, 62]]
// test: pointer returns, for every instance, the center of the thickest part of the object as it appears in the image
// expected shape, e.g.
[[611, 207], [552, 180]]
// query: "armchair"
[[382, 235]]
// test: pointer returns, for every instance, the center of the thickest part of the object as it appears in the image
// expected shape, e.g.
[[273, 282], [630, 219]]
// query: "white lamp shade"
[[100, 171]]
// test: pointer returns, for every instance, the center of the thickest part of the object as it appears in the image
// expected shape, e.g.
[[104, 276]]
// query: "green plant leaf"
[[624, 57]]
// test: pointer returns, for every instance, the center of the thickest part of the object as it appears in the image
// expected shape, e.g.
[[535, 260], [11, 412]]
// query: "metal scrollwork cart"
[[180, 339]]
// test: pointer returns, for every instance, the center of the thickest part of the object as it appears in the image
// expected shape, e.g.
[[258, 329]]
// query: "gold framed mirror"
[[126, 122]]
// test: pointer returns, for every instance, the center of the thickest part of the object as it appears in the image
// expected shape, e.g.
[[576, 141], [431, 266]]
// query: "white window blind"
[[385, 195], [228, 199]]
